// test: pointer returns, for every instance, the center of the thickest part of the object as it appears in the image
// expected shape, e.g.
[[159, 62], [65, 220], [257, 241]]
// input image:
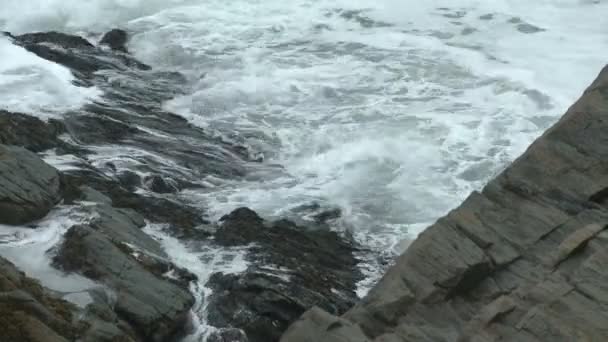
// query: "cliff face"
[[523, 260]]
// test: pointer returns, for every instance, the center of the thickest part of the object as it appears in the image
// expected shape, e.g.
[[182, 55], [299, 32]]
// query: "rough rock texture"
[[73, 52], [27, 131], [29, 313], [28, 187], [182, 219], [523, 260], [293, 269], [113, 250]]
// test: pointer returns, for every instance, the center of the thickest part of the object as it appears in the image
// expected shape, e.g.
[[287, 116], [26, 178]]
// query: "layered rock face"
[[29, 188], [523, 260], [29, 313]]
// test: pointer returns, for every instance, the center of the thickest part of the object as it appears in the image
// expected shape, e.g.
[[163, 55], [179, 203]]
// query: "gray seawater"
[[392, 111]]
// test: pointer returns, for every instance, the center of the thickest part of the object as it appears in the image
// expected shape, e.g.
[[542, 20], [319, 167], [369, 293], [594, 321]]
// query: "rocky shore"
[[142, 294], [522, 260]]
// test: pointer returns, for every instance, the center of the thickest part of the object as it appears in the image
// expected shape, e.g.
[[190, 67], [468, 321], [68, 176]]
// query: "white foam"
[[395, 123], [29, 250], [32, 85], [203, 261]]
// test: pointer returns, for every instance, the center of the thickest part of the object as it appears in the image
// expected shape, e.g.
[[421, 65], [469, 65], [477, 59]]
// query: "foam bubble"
[[32, 85]]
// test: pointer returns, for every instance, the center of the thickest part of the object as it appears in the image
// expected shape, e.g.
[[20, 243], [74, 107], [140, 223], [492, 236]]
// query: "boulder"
[[160, 185], [518, 261], [116, 39], [292, 269], [29, 187]]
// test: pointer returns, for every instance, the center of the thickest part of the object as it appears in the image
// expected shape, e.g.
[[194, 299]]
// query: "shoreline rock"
[[29, 188], [292, 269], [518, 261], [523, 259]]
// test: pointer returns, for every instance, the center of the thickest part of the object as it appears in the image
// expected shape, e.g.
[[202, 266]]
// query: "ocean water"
[[393, 111]]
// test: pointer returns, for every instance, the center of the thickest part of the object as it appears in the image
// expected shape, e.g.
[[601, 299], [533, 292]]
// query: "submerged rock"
[[293, 269], [116, 39], [29, 187], [519, 261]]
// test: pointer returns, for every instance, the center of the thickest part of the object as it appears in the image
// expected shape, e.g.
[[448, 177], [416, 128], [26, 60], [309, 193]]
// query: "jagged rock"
[[520, 261], [29, 188], [74, 52], [129, 180], [63, 40], [183, 220], [113, 250], [293, 269], [28, 131], [159, 185], [29, 313], [116, 39]]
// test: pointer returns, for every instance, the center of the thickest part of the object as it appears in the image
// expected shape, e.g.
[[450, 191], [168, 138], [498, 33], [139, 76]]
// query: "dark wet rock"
[[129, 180], [99, 129], [55, 46], [358, 16], [183, 220], [159, 185], [228, 335], [116, 39], [89, 194], [29, 312], [467, 31], [131, 115], [293, 269], [454, 14], [112, 249], [28, 131], [76, 53], [529, 28], [63, 40], [525, 27], [328, 215], [522, 260], [29, 187]]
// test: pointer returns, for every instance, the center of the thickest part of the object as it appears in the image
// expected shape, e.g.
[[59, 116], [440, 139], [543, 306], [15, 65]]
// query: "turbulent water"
[[391, 110]]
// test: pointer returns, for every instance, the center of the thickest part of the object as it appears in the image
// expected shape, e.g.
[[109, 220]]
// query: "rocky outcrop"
[[28, 132], [522, 260], [292, 269], [29, 188], [151, 293], [30, 313]]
